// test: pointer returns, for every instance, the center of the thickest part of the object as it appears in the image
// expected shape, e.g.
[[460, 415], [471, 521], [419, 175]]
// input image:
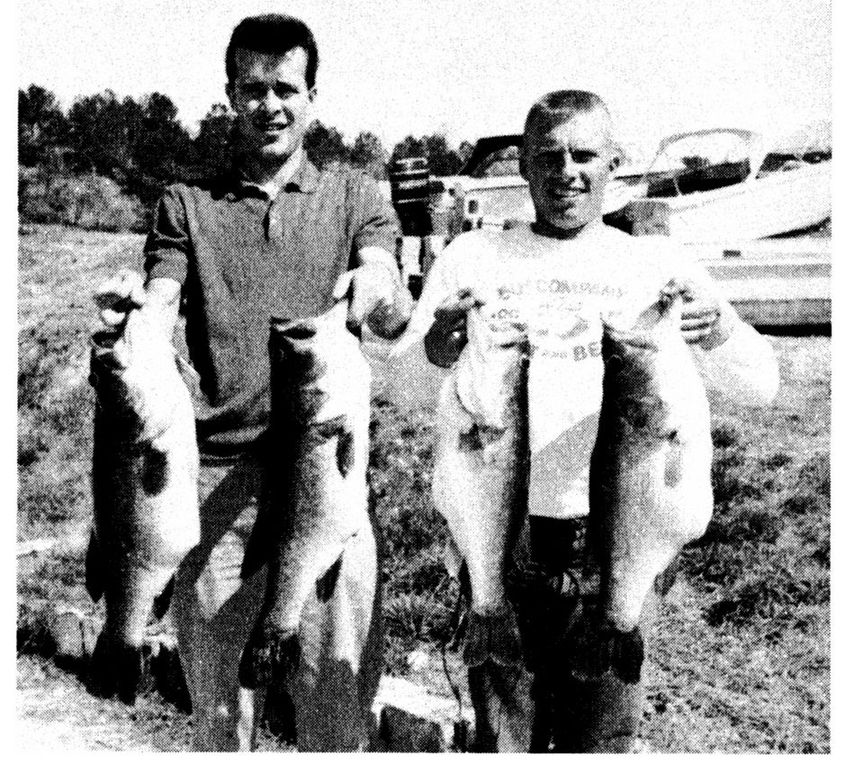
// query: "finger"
[[124, 290], [111, 318], [696, 336], [694, 322], [468, 295], [342, 284]]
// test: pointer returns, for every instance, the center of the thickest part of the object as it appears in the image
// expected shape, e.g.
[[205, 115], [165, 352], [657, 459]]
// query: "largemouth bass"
[[481, 475], [144, 474], [318, 486], [650, 485]]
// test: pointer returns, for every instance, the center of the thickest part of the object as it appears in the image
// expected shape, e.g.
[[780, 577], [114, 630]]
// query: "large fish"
[[320, 410], [144, 475], [481, 475], [650, 486]]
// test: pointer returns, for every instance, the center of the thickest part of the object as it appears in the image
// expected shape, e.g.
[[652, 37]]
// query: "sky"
[[467, 69]]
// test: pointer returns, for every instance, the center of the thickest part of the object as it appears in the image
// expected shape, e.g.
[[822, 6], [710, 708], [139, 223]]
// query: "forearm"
[[162, 301], [743, 368], [390, 317]]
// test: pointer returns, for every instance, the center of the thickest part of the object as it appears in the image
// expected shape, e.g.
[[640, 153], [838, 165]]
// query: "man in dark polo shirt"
[[271, 236]]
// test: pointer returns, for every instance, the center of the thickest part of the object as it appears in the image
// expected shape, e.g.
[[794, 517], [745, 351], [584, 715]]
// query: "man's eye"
[[252, 91], [283, 92], [549, 157], [584, 157]]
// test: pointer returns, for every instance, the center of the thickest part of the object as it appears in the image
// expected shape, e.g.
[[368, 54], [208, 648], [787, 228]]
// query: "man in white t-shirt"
[[556, 277]]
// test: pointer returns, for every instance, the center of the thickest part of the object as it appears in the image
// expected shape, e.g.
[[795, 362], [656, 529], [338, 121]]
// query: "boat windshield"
[[695, 163]]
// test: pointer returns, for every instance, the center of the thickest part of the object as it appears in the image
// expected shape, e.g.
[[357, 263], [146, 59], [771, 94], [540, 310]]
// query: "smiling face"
[[567, 166], [272, 104]]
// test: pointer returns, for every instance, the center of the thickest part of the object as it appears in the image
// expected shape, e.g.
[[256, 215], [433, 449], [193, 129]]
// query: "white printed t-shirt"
[[558, 289]]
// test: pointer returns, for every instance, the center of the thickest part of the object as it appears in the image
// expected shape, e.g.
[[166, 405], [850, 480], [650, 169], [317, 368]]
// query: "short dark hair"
[[557, 106], [273, 33]]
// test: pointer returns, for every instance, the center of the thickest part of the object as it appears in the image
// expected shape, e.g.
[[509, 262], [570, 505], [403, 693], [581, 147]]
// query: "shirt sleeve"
[[168, 244], [414, 381], [377, 224], [743, 369]]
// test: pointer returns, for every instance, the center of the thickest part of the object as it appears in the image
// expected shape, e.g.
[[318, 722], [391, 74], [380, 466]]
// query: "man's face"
[[272, 103], [567, 167]]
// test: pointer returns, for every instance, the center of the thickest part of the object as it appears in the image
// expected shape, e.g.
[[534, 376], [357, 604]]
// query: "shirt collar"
[[304, 179]]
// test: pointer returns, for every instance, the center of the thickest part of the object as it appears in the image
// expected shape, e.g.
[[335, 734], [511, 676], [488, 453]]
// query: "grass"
[[739, 659]]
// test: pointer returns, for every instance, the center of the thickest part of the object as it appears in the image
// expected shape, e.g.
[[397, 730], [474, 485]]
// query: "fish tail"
[[626, 655], [116, 670], [270, 656], [494, 635]]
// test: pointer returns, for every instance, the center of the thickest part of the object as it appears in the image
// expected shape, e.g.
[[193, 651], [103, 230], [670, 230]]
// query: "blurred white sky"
[[468, 68]]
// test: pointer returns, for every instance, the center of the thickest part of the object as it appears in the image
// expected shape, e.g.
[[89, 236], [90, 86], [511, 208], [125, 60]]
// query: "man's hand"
[[447, 335], [125, 291], [377, 298], [703, 320], [118, 295]]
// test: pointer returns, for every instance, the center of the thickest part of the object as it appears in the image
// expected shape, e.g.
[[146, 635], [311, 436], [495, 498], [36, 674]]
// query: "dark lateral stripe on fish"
[[155, 474], [626, 654], [94, 569]]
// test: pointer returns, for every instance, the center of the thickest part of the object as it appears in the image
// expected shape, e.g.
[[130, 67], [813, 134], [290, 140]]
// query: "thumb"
[[343, 285]]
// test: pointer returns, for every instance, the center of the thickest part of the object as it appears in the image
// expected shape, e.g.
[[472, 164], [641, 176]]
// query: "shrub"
[[87, 201]]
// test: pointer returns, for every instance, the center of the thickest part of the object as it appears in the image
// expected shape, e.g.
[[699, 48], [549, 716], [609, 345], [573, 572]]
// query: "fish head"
[[491, 369], [638, 379], [135, 377], [316, 365]]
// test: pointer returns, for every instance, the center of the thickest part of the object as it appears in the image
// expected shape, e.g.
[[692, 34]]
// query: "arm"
[[734, 360], [166, 251], [378, 297]]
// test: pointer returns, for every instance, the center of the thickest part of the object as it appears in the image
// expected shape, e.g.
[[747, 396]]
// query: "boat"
[[727, 185]]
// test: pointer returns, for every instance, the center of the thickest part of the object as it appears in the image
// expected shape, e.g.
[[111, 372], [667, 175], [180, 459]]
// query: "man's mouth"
[[272, 129], [565, 195]]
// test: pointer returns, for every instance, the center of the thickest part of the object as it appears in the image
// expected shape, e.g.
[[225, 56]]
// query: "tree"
[[42, 126], [409, 147], [325, 145], [160, 149], [212, 146], [441, 159], [99, 132], [367, 153], [464, 152]]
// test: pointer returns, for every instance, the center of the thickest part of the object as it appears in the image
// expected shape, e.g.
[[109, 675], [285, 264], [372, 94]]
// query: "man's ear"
[[230, 93], [313, 92]]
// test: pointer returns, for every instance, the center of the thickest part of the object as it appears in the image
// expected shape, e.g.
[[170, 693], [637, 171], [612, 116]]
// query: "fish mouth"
[[295, 329], [103, 345], [631, 337]]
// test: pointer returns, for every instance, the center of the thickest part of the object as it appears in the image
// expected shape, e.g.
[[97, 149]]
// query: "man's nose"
[[270, 102], [567, 167]]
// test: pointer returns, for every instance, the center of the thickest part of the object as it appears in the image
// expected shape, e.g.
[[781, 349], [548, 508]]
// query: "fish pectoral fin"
[[325, 586], [94, 569], [665, 581], [338, 428], [345, 453], [161, 602]]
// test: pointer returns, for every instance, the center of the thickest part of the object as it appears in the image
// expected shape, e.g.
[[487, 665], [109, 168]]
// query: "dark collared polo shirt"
[[242, 258]]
